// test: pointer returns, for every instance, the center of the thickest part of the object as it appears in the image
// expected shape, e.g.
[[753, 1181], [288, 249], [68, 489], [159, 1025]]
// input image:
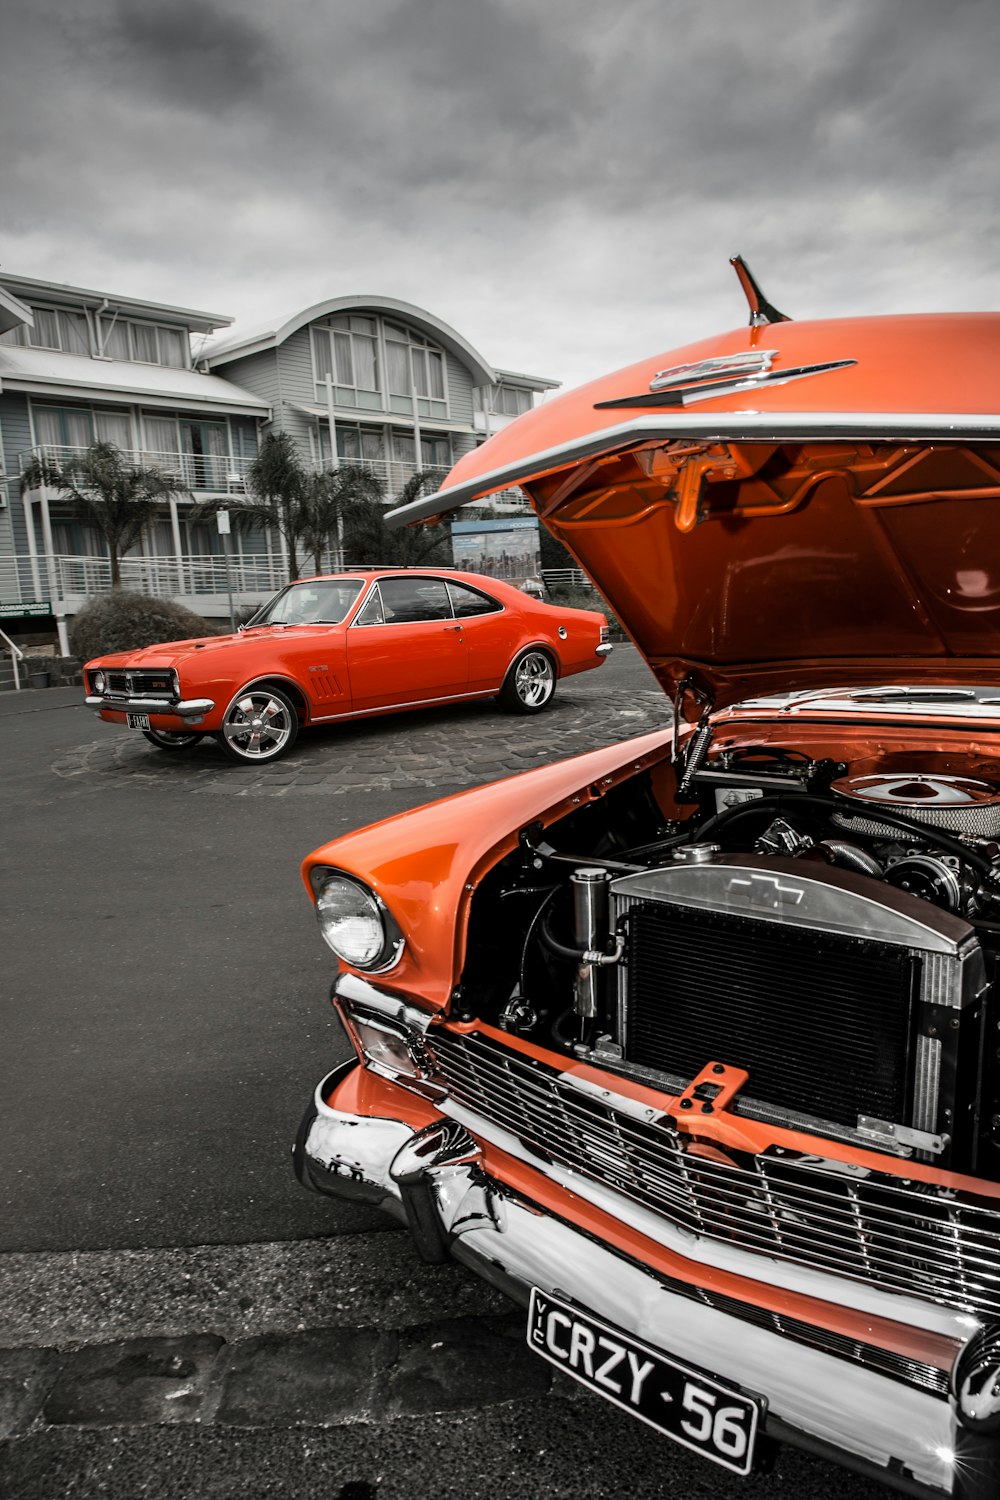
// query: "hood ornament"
[[761, 311]]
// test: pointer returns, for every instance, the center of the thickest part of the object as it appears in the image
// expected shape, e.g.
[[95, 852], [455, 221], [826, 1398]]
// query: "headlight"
[[100, 682], [354, 922]]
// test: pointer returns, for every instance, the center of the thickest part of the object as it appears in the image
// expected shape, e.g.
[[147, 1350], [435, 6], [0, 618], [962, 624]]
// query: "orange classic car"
[[692, 1044], [369, 641]]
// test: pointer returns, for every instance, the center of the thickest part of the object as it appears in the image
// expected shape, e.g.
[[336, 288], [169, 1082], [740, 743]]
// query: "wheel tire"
[[260, 725], [530, 682], [172, 740]]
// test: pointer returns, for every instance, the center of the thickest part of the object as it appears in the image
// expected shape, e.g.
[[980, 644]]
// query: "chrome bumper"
[[187, 708], [433, 1179], [605, 650]]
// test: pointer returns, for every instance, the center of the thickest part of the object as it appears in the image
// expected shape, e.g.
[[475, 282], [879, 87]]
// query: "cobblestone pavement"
[[449, 747]]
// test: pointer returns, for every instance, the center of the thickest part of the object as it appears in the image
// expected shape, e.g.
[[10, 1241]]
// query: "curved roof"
[[237, 346]]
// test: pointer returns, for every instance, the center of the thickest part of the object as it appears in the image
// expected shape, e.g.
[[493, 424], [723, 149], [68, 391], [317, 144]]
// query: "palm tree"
[[276, 481], [118, 499], [327, 500], [368, 539]]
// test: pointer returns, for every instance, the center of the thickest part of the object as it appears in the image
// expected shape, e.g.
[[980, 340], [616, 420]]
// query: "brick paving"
[[444, 748]]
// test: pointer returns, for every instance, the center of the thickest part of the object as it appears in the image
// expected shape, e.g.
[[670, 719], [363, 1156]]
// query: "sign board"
[[507, 549], [222, 518], [27, 609]]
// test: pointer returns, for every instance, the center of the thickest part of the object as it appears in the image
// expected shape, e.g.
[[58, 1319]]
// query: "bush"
[[574, 597], [121, 621]]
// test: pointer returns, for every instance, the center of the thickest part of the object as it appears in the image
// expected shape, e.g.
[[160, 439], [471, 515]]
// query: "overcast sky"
[[561, 180]]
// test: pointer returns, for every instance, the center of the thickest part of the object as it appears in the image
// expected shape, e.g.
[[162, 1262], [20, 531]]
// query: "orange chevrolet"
[[692, 1044], [371, 641]]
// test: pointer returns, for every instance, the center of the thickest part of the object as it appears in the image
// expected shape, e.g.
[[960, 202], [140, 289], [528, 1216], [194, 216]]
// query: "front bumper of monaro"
[[367, 1139]]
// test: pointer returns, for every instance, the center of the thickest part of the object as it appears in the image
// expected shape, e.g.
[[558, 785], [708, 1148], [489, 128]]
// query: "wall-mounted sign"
[[507, 549], [27, 609]]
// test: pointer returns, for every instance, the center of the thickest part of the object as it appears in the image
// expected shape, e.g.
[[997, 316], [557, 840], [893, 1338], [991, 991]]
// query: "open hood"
[[787, 506]]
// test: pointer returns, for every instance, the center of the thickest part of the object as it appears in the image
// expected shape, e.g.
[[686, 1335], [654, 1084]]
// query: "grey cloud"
[[189, 52], [563, 181]]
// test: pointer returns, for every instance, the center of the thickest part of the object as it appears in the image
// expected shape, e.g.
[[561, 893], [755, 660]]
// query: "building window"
[[346, 350], [54, 328], [435, 451], [416, 368], [145, 343], [67, 431], [509, 400]]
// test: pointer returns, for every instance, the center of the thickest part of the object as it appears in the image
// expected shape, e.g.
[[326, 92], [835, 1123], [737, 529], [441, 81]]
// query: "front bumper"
[[186, 708], [432, 1176]]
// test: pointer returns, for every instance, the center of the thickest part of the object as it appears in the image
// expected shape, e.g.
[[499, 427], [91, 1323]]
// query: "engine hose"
[[564, 1041], [528, 936], [925, 832], [575, 955]]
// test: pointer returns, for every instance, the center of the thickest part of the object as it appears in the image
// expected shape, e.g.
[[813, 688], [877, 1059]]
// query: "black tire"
[[530, 682], [260, 725], [172, 740]]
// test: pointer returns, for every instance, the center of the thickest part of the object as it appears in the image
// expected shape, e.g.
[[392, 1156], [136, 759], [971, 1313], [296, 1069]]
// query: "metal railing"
[[393, 473], [16, 655], [216, 473], [201, 574], [566, 578]]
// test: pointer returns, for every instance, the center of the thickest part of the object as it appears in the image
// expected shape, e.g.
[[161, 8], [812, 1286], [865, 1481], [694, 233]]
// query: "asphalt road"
[[177, 1317], [164, 986]]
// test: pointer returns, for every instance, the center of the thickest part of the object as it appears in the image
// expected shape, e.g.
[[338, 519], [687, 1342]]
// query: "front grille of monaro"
[[899, 1235], [146, 682]]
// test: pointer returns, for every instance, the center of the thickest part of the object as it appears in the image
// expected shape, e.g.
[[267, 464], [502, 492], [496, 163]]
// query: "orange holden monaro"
[[692, 1044], [369, 641]]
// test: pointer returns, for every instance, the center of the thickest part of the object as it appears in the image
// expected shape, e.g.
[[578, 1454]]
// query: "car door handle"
[[454, 627]]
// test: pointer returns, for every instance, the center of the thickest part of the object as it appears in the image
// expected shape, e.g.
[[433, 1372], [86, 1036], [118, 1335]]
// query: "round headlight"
[[355, 923], [100, 682]]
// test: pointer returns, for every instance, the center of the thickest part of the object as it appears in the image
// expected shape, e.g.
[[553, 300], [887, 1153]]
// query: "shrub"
[[574, 597], [121, 621]]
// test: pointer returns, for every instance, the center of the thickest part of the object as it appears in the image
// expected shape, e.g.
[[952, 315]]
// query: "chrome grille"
[[902, 1236], [146, 683]]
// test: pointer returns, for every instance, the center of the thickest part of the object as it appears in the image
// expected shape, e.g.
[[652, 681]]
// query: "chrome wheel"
[[260, 725], [168, 739], [530, 683]]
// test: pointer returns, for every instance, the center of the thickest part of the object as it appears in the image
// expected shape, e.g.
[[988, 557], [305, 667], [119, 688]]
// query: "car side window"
[[371, 611], [467, 601], [409, 600]]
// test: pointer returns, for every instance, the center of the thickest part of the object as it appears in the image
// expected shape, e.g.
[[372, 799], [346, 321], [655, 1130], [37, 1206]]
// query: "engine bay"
[[819, 910]]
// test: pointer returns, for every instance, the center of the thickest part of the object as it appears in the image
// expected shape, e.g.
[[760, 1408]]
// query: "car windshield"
[[319, 601]]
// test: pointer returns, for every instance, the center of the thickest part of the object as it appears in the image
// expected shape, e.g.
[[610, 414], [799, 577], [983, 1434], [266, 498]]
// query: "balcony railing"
[[215, 474], [393, 473], [167, 577]]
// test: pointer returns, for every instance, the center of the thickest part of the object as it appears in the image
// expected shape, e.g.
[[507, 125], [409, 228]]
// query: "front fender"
[[425, 864]]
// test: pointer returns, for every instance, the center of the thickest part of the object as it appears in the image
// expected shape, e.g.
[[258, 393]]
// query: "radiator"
[[849, 1003]]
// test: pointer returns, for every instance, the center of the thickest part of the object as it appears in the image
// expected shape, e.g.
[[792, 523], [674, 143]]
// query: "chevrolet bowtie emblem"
[[764, 891]]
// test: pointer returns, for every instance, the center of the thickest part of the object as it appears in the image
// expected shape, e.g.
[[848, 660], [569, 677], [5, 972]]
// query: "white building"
[[355, 380]]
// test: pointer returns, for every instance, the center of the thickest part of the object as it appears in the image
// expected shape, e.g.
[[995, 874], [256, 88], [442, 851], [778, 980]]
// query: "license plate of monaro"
[[138, 721], [678, 1400]]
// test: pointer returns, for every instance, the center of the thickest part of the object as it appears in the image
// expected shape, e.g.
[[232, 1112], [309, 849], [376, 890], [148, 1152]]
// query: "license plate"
[[138, 721], [678, 1400]]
